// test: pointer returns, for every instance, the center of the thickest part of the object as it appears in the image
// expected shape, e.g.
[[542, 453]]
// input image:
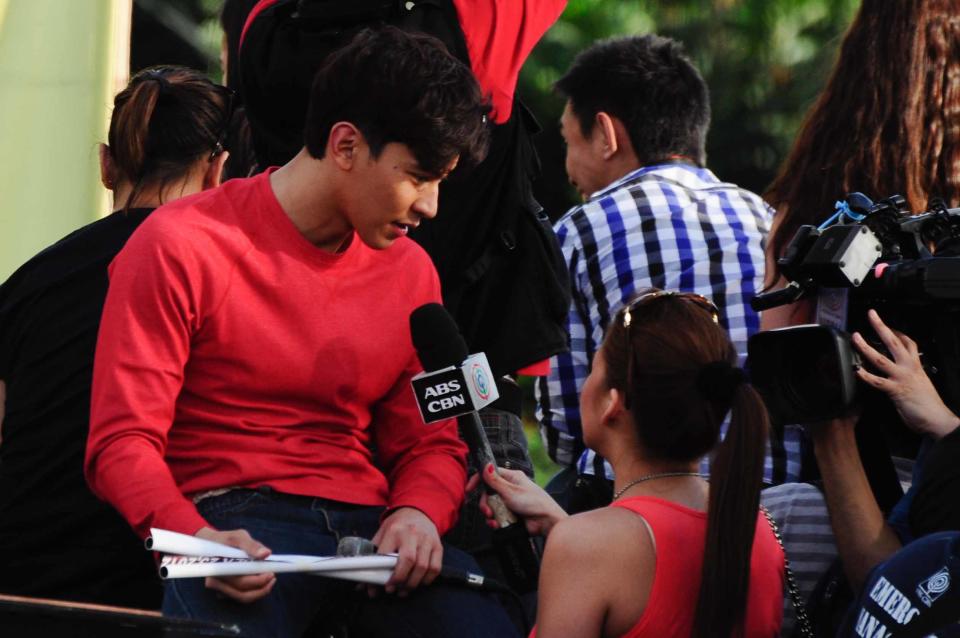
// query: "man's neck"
[[676, 158], [305, 190], [630, 165], [620, 167]]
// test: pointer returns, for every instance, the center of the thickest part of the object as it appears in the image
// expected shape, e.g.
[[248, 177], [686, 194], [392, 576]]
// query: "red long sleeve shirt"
[[234, 353]]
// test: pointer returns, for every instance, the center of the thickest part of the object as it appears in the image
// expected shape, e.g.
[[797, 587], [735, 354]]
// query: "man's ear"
[[613, 135], [607, 135], [106, 167], [343, 144]]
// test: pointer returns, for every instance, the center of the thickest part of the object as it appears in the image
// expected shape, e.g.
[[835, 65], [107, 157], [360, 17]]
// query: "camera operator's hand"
[[522, 496], [905, 381]]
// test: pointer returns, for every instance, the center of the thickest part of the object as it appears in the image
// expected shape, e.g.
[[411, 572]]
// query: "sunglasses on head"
[[230, 97], [646, 298]]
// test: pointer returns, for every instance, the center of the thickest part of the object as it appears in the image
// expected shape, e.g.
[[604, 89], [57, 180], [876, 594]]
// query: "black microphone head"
[[436, 337]]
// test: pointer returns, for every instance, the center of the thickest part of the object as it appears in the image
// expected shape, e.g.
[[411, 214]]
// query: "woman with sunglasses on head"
[[56, 539], [673, 555]]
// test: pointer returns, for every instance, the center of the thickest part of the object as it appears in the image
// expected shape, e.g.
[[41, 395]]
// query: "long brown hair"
[[886, 122], [163, 122], [659, 362]]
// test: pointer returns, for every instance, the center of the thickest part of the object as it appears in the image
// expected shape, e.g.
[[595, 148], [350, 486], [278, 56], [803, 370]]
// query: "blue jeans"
[[290, 524]]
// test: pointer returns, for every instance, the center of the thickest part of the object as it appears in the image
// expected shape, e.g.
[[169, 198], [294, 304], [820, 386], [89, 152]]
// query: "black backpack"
[[503, 277]]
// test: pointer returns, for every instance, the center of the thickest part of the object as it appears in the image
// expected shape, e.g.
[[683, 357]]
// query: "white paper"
[[167, 542], [375, 570], [191, 557]]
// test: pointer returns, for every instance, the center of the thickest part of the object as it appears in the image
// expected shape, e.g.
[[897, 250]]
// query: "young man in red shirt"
[[253, 366]]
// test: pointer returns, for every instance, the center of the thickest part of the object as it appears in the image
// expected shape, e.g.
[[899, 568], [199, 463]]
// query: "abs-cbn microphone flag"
[[455, 390]]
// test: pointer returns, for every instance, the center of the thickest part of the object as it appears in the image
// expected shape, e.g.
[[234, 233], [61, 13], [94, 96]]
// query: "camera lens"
[[810, 377]]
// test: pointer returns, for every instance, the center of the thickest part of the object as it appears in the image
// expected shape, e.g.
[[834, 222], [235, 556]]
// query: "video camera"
[[867, 255]]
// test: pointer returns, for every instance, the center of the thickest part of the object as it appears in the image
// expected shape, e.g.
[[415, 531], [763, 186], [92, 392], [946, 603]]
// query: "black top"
[[936, 504], [56, 538]]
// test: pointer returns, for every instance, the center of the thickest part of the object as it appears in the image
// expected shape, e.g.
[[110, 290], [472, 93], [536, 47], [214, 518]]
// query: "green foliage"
[[543, 467], [764, 60]]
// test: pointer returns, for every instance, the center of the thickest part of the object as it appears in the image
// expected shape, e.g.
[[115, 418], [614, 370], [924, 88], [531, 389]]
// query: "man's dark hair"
[[650, 85], [400, 87]]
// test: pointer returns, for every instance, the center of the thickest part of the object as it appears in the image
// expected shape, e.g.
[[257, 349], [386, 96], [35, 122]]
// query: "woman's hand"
[[522, 496], [905, 381]]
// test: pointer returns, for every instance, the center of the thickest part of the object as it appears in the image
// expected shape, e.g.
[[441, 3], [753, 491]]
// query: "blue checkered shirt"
[[670, 226]]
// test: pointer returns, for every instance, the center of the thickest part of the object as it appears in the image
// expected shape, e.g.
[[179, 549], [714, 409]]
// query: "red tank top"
[[679, 534]]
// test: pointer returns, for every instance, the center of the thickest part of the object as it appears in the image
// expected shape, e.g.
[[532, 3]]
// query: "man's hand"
[[244, 589], [905, 381], [409, 533]]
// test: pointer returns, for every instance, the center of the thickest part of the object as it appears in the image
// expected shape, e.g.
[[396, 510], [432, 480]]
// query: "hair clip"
[[157, 75]]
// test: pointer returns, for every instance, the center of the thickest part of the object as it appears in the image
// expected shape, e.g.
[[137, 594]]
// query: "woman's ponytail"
[[736, 474], [131, 130], [166, 120]]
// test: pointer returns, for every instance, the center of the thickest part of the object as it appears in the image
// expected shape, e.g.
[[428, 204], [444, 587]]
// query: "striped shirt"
[[800, 512], [672, 226]]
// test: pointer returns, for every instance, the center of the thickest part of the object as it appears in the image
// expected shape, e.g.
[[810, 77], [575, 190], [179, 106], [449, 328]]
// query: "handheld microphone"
[[441, 350], [357, 546], [443, 353]]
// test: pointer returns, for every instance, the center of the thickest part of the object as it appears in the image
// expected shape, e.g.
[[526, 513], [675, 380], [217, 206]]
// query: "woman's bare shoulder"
[[590, 535]]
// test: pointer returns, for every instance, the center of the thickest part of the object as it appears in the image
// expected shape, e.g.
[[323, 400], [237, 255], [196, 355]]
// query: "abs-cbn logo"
[[443, 396], [481, 384], [455, 390]]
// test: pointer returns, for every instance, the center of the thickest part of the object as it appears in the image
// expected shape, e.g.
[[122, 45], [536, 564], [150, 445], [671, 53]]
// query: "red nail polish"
[[490, 469]]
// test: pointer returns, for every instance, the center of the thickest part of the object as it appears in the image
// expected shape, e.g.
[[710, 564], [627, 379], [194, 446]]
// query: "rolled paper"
[[191, 557], [174, 543], [167, 542], [366, 569]]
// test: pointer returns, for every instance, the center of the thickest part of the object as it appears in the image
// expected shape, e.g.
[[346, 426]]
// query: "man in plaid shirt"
[[635, 125]]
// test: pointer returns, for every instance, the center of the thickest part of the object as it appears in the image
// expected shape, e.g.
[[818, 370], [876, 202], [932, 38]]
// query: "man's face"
[[584, 159], [392, 195]]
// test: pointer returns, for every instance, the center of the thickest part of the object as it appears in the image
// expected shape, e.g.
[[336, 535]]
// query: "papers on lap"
[[191, 557]]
